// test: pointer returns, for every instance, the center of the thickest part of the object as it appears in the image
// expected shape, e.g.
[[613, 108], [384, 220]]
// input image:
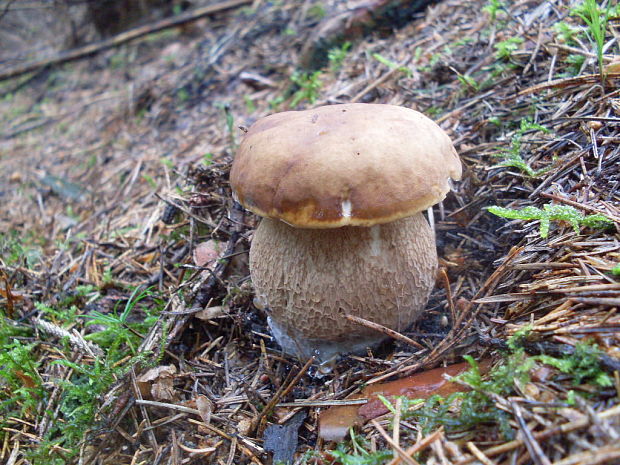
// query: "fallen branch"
[[91, 49]]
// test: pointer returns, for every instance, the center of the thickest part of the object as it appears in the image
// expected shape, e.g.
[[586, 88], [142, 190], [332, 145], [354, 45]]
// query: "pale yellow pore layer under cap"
[[353, 164]]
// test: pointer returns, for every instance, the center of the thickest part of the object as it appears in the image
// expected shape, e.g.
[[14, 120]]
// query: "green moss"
[[336, 56], [18, 247], [492, 8], [566, 33], [308, 87], [20, 384], [506, 48], [462, 411], [553, 213], [583, 365], [476, 407], [392, 65], [79, 395]]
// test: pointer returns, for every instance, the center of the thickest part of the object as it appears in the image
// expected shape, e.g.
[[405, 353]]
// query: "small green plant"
[[392, 65], [616, 270], [516, 161], [575, 63], [356, 452], [65, 313], [88, 292], [207, 159], [122, 231], [337, 55], [478, 406], [149, 179], [498, 69], [475, 407], [230, 123], [433, 112], [177, 9], [309, 85], [461, 42], [107, 278], [565, 32], [120, 335], [468, 82], [596, 19], [20, 248], [553, 213], [80, 401], [246, 11], [492, 8], [506, 48], [118, 60], [512, 157], [275, 103], [435, 59], [250, 106], [317, 12], [183, 95]]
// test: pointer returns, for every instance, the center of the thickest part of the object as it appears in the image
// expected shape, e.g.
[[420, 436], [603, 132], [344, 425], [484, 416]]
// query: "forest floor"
[[129, 334]]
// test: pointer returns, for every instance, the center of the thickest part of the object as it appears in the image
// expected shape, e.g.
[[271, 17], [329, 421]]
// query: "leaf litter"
[[124, 176]]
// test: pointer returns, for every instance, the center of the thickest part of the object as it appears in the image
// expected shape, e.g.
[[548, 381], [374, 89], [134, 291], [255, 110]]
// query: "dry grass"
[[113, 169]]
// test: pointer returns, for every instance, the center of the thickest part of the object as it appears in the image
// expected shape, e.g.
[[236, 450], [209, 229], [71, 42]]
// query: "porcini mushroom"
[[341, 189]]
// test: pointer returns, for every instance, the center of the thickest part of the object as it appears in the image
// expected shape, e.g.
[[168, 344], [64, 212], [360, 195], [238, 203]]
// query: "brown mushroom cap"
[[353, 164]]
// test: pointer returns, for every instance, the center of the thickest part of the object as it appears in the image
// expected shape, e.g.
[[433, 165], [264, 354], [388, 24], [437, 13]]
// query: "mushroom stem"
[[310, 278]]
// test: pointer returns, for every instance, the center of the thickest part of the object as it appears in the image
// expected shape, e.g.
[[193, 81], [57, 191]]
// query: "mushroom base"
[[309, 279], [323, 351]]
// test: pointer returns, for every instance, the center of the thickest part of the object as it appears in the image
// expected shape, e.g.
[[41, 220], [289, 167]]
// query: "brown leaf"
[[244, 427], [7, 294], [614, 66], [207, 253], [335, 422], [157, 383], [205, 408], [209, 313], [26, 379], [16, 177]]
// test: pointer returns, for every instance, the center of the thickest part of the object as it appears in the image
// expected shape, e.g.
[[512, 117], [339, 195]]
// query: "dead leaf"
[[15, 176], [282, 440], [205, 408], [244, 427], [614, 66], [334, 423], [206, 253], [209, 313], [8, 294], [157, 383], [26, 379]]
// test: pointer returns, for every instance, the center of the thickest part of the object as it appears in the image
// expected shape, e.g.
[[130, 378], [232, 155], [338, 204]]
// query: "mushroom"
[[341, 189]]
